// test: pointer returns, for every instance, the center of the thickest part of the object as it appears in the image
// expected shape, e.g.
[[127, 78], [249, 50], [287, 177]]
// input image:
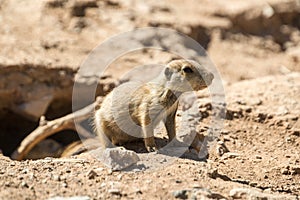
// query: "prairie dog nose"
[[209, 78]]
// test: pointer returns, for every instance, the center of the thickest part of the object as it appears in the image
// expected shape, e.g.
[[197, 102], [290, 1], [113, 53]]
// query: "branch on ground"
[[48, 128]]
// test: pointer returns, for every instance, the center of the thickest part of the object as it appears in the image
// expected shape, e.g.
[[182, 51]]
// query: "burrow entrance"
[[28, 92]]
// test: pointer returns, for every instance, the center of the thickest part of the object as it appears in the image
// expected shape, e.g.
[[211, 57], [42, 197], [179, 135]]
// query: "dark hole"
[[13, 129], [65, 137]]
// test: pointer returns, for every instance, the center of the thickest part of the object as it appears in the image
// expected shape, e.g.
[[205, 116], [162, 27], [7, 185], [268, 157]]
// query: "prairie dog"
[[132, 111]]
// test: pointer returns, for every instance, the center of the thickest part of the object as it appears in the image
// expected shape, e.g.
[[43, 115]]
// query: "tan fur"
[[132, 110]]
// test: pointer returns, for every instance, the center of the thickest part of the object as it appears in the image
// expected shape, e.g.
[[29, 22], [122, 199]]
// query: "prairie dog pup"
[[132, 110]]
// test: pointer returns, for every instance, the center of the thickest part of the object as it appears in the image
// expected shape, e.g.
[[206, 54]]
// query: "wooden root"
[[48, 128]]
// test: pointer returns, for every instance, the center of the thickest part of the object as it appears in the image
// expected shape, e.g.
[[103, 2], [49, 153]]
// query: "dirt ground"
[[255, 46]]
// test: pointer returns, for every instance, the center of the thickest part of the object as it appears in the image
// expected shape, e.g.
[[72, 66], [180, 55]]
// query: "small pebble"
[[24, 184], [91, 174], [178, 181], [114, 191], [65, 185], [253, 184], [56, 178], [119, 177], [285, 171], [180, 194]]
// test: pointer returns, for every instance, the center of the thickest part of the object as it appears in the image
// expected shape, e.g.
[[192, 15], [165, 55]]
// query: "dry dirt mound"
[[44, 42], [261, 133]]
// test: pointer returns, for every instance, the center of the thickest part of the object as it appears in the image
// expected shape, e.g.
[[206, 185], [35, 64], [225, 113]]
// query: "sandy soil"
[[253, 44]]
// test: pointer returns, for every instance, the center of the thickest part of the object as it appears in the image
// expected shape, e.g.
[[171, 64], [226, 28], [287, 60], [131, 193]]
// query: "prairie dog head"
[[187, 75]]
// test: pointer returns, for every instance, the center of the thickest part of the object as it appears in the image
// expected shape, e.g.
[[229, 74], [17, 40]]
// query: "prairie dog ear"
[[168, 73]]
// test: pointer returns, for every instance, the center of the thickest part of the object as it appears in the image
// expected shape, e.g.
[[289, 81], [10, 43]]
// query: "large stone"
[[196, 193], [117, 158], [246, 193]]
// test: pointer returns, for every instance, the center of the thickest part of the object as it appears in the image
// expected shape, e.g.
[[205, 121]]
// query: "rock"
[[180, 194], [77, 24], [54, 3], [70, 198], [79, 7], [284, 171], [116, 158], [56, 178], [296, 128], [231, 155], [289, 139], [246, 193], [114, 191], [213, 173], [24, 184], [196, 193], [225, 132], [91, 174], [291, 170], [253, 184], [295, 169], [221, 148], [119, 177], [282, 110], [232, 113], [284, 70], [65, 185], [254, 102], [296, 132], [261, 117]]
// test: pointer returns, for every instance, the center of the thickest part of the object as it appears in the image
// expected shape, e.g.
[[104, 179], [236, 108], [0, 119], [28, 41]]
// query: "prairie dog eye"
[[187, 69]]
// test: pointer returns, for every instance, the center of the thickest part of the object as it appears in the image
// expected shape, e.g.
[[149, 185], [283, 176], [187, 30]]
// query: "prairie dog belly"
[[125, 113]]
